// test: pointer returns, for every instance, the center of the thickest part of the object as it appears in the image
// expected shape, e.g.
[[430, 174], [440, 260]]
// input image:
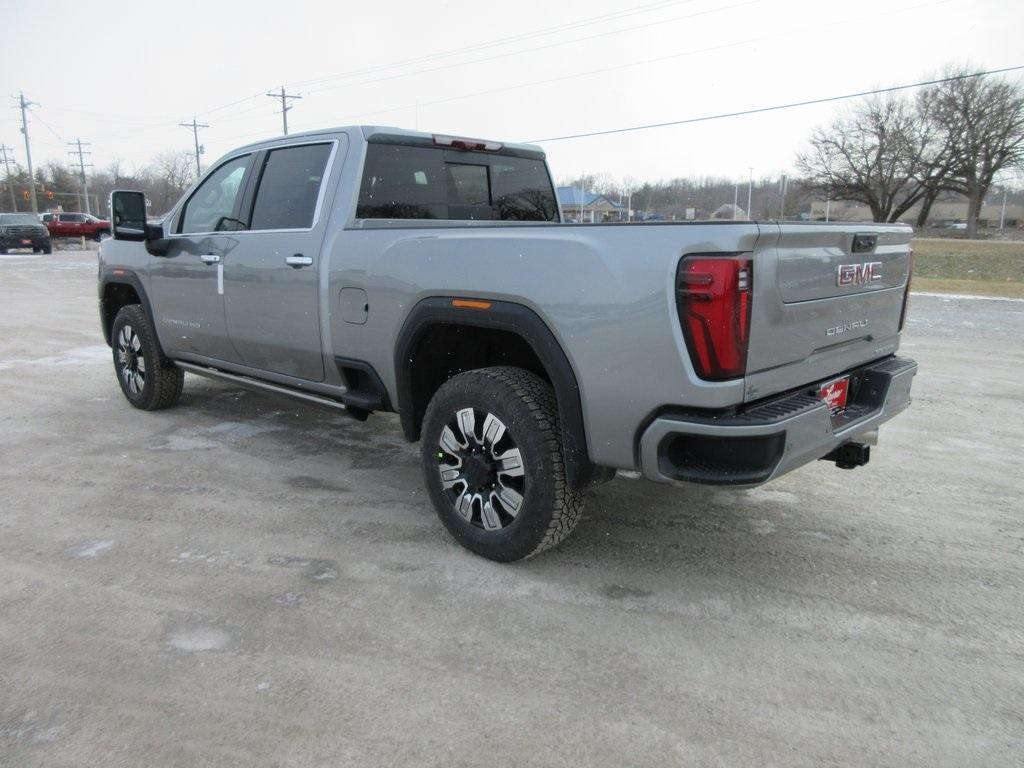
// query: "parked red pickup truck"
[[76, 225]]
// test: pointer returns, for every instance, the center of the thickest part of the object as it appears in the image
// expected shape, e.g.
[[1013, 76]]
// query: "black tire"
[[48, 248], [159, 382], [103, 234], [524, 404]]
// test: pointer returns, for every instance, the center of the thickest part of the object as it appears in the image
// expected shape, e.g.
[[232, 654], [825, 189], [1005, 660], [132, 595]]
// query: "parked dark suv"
[[23, 230]]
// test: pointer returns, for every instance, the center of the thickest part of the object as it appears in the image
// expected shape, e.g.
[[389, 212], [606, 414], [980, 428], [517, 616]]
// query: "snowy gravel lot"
[[240, 582]]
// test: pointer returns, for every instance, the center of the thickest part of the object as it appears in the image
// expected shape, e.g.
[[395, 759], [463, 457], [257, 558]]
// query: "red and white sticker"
[[834, 393]]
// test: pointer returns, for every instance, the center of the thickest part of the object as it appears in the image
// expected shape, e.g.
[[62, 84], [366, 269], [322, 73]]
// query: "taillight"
[[906, 291], [713, 295]]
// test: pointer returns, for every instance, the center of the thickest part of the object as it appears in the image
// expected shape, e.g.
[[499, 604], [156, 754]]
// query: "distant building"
[[589, 207], [944, 213]]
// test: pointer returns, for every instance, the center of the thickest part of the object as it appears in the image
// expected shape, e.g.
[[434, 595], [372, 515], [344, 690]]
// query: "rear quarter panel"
[[606, 293]]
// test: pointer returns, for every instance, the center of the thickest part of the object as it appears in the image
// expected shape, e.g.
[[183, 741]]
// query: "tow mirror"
[[127, 215], [128, 221]]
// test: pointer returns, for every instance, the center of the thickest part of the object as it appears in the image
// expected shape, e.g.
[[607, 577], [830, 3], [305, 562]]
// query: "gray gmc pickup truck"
[[376, 269]]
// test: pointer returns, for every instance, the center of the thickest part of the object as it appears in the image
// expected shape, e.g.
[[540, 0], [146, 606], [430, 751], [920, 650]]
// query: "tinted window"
[[289, 187], [211, 207], [469, 191], [401, 182], [522, 190], [72, 218], [18, 219]]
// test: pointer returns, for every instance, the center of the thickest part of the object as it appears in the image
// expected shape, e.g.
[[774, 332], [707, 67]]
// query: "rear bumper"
[[769, 439], [15, 241]]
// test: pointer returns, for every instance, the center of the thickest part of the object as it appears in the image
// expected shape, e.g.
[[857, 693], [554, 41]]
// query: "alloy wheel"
[[481, 469], [130, 359]]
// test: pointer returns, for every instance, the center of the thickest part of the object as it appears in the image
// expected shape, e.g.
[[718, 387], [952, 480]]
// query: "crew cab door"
[[272, 277], [187, 283]]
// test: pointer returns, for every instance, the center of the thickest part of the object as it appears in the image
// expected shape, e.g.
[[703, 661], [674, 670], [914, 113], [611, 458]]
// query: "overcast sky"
[[123, 75]]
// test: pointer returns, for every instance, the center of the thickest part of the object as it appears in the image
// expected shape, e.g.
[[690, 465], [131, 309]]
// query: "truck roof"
[[369, 131]]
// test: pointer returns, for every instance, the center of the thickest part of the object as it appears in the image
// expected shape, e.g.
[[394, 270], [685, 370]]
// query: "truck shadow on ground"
[[627, 522]]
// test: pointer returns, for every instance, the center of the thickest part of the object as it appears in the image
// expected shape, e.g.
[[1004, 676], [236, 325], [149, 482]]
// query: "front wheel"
[[493, 463], [148, 380]]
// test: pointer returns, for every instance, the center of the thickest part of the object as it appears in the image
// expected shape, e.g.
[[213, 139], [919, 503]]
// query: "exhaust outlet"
[[849, 455]]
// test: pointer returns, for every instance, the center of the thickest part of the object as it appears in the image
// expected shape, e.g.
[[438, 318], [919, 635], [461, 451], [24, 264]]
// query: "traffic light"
[[49, 195], [25, 194]]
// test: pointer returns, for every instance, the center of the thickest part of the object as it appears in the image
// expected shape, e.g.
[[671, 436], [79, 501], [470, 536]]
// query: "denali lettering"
[[858, 274], [181, 323], [838, 330]]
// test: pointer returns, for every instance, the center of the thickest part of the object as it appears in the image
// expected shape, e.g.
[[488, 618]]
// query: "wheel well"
[[445, 350], [116, 296]]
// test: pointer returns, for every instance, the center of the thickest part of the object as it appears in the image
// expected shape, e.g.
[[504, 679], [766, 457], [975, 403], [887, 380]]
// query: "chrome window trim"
[[319, 198]]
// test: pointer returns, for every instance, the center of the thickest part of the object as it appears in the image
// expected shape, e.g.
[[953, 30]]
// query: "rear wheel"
[[493, 463], [148, 379]]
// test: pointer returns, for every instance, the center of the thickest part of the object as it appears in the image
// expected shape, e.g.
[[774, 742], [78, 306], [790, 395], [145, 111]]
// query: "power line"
[[285, 106], [542, 32], [194, 127], [534, 49], [81, 153], [641, 62], [46, 125], [791, 105]]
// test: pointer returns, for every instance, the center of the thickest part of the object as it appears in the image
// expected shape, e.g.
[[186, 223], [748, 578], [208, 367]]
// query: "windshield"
[[19, 219]]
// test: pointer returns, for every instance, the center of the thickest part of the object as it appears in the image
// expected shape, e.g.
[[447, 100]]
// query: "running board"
[[257, 385]]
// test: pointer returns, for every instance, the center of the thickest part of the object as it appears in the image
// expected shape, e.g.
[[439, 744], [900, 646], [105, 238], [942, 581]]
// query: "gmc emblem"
[[858, 274]]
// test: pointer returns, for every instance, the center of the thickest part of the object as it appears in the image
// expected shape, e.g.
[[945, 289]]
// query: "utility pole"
[[194, 127], [25, 104], [750, 193], [81, 153], [7, 157], [782, 205], [735, 200], [1002, 214], [285, 106]]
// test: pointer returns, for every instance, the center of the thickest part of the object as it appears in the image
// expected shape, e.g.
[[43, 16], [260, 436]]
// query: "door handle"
[[210, 258], [298, 260]]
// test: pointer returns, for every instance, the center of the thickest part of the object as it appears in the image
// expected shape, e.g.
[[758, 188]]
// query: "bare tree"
[[167, 178], [879, 154], [982, 121]]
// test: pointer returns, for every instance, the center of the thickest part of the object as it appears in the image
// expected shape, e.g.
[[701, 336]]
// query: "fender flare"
[[525, 323], [121, 276]]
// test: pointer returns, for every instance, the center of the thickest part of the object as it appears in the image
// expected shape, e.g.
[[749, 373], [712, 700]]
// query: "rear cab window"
[[411, 182]]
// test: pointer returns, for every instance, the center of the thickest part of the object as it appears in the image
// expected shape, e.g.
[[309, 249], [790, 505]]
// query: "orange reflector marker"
[[470, 304], [118, 272]]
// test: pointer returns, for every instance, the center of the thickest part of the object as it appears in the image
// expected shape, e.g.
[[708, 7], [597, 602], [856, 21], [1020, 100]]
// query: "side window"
[[289, 187], [522, 190], [211, 206]]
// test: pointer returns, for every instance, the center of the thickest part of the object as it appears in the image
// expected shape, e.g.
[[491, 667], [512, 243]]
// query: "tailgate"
[[826, 298]]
